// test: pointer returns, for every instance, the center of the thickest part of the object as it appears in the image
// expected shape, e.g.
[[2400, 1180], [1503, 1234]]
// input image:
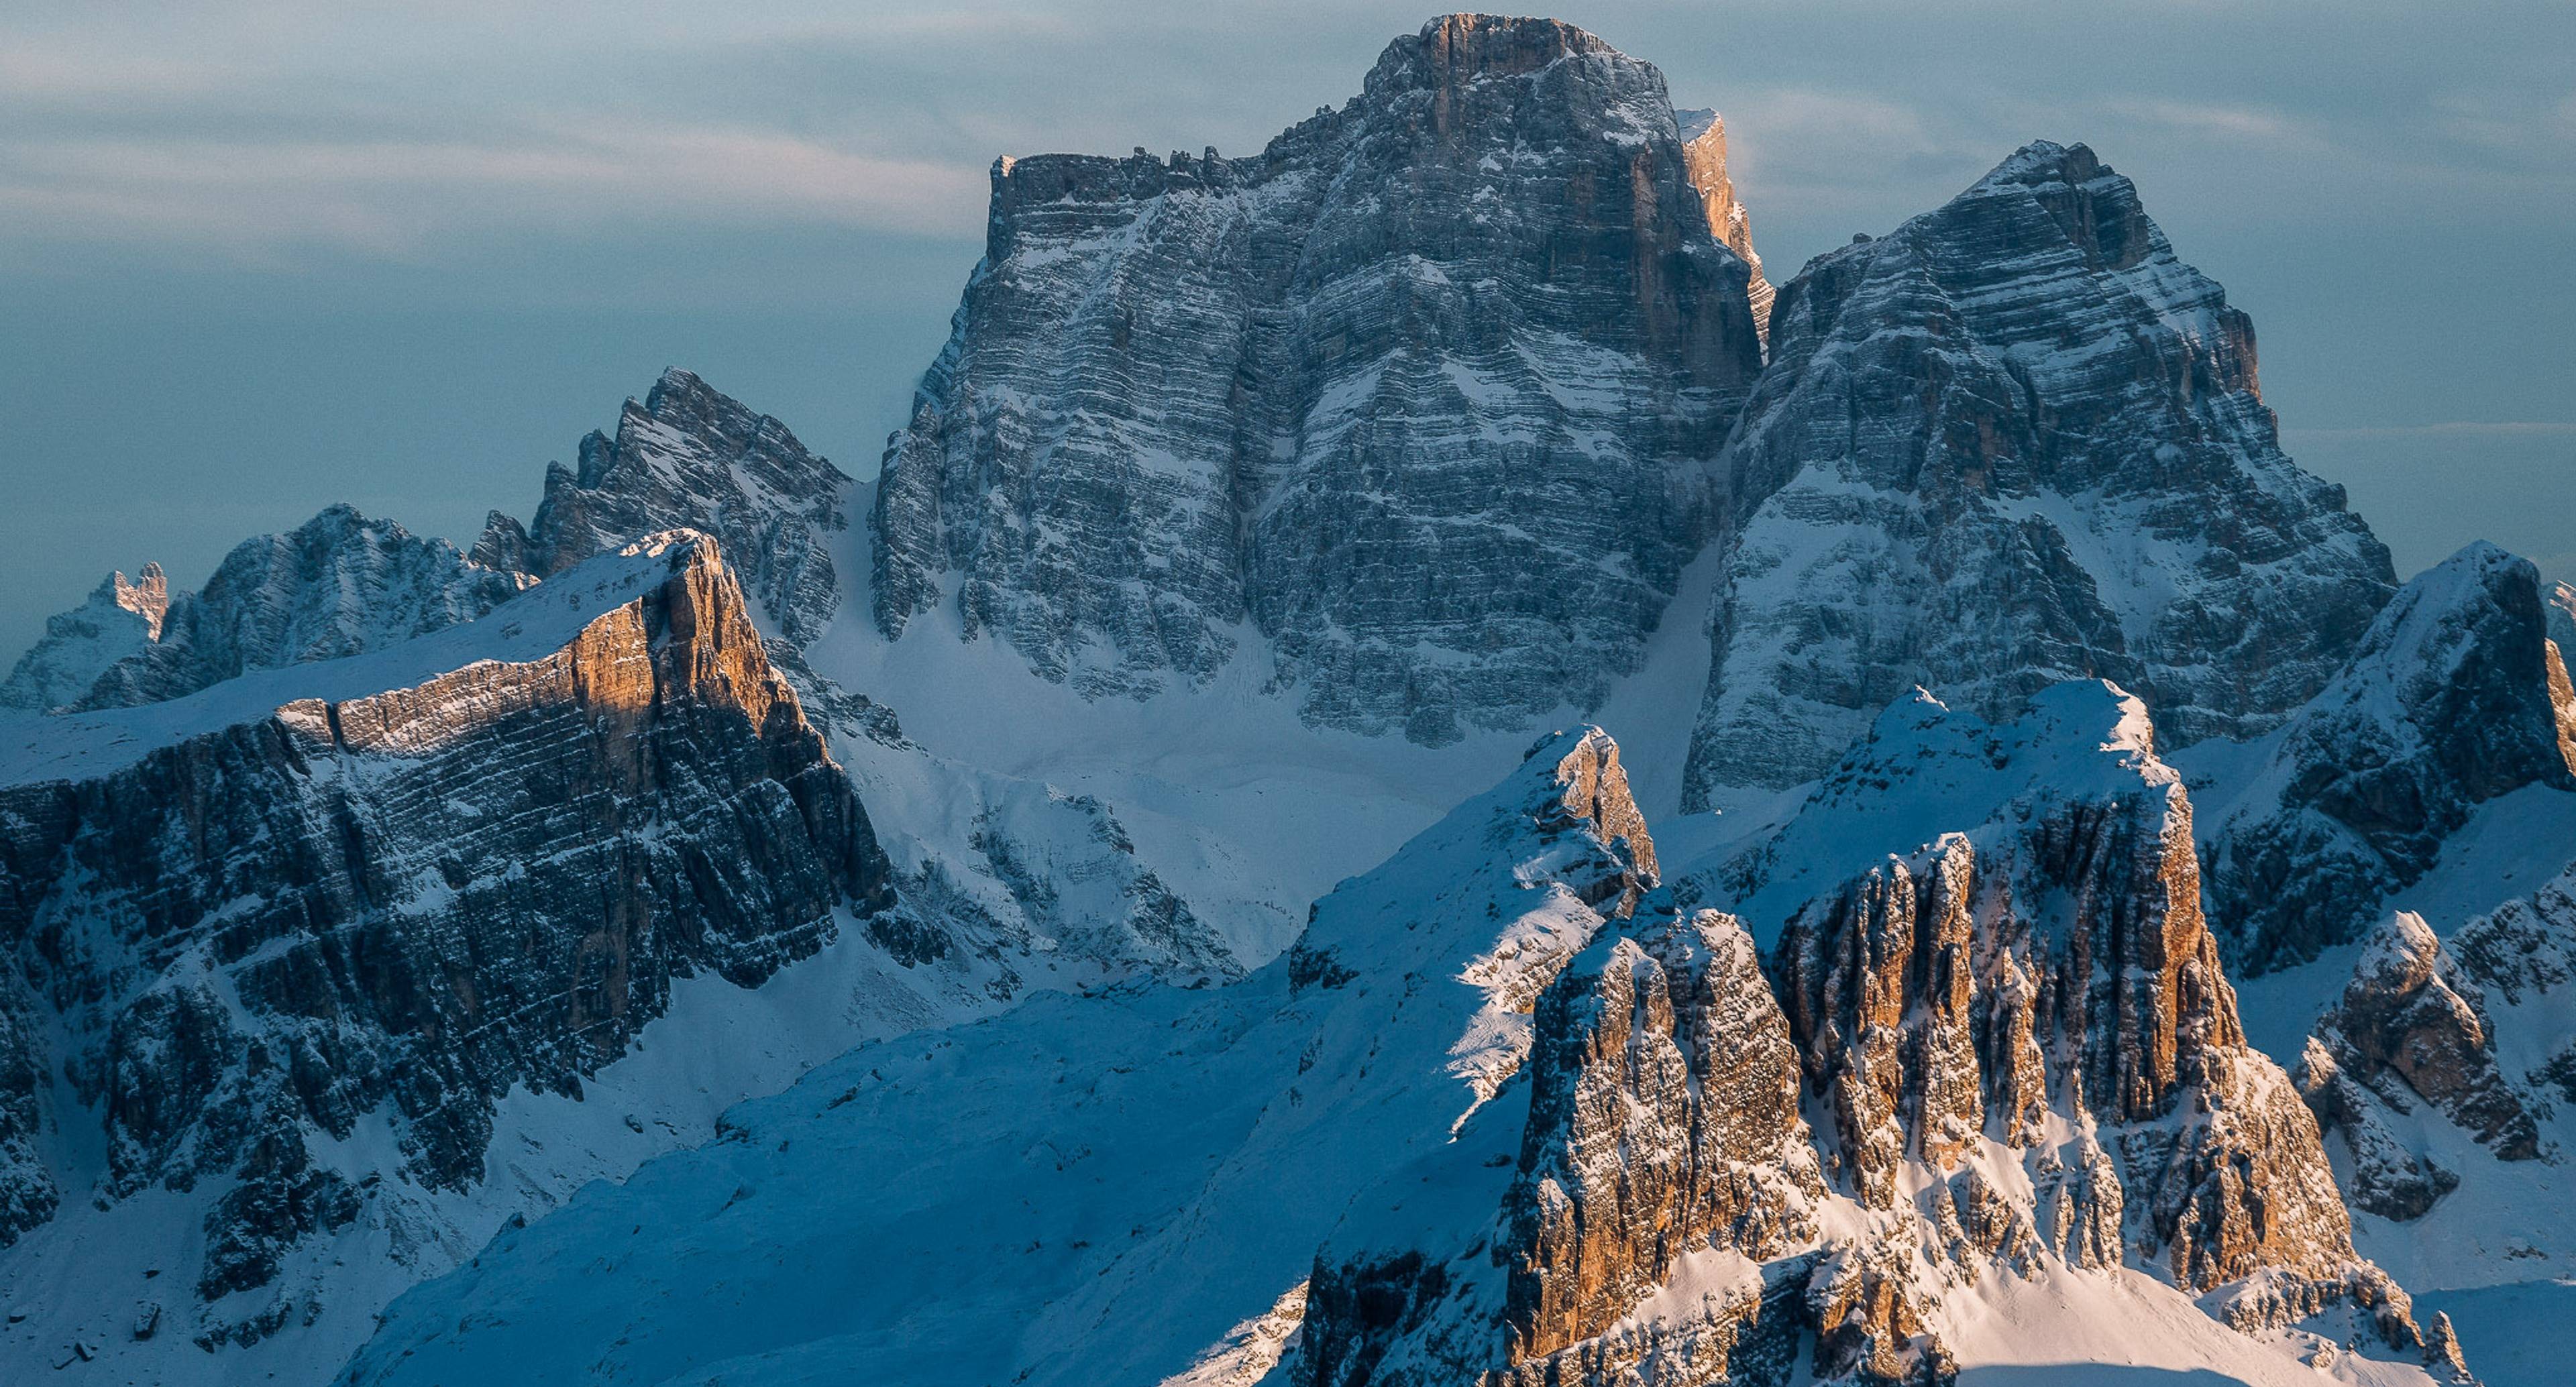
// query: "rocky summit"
[[1422, 398], [2013, 441], [1143, 890]]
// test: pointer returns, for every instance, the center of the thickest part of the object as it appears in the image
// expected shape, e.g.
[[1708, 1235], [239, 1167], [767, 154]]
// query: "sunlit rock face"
[[2454, 696], [690, 457], [1424, 396], [2017, 440], [1994, 1041], [121, 617], [296, 916], [1704, 153]]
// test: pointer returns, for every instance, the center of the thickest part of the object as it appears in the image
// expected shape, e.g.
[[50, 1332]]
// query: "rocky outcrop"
[[2414, 1038], [120, 618], [1704, 157], [338, 585], [2455, 696], [690, 457], [278, 919], [2411, 1016], [2015, 441], [2038, 978], [2019, 1040], [1425, 393], [1663, 1120]]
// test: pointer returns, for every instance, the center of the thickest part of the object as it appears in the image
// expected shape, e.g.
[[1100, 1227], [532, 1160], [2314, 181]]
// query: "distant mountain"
[[337, 585]]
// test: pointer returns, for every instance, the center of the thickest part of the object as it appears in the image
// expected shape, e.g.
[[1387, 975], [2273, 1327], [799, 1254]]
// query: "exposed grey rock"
[[1663, 1118], [1425, 394], [2414, 1041], [408, 901], [690, 457], [120, 618], [2013, 441], [2412, 1016], [337, 585], [2454, 696]]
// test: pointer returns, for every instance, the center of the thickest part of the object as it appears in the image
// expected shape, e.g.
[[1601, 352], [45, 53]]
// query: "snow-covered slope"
[[315, 968], [2013, 441], [1137, 1173], [1473, 1123]]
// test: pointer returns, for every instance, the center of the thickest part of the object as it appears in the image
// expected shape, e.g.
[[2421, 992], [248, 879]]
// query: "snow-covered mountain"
[[1414, 409], [2455, 697], [339, 584], [2016, 440], [121, 616], [689, 457], [380, 898], [1543, 1126]]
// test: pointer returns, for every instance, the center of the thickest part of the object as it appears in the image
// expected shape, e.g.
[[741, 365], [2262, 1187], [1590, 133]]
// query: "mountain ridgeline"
[[390, 926]]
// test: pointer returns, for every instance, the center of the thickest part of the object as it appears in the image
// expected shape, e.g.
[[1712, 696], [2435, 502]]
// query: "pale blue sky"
[[257, 258]]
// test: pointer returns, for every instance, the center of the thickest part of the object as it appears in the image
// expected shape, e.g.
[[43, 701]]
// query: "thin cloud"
[[2454, 428], [400, 198]]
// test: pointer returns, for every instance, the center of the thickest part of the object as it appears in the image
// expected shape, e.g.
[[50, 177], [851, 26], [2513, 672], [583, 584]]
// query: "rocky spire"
[[1704, 155], [691, 457]]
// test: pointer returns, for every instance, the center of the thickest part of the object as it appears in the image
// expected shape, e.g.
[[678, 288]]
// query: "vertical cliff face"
[[2017, 440], [121, 616], [2454, 696], [2005, 1055], [1663, 1121], [690, 457], [2041, 977], [1154, 1166], [256, 924], [1424, 392], [1704, 155]]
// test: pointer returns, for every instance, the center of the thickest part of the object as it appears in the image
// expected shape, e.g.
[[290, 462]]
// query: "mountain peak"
[[690, 456], [2045, 161]]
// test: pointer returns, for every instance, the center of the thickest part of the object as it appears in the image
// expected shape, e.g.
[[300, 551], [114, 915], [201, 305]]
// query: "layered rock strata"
[[690, 457], [2455, 696], [1425, 394], [405, 899], [2015, 441]]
